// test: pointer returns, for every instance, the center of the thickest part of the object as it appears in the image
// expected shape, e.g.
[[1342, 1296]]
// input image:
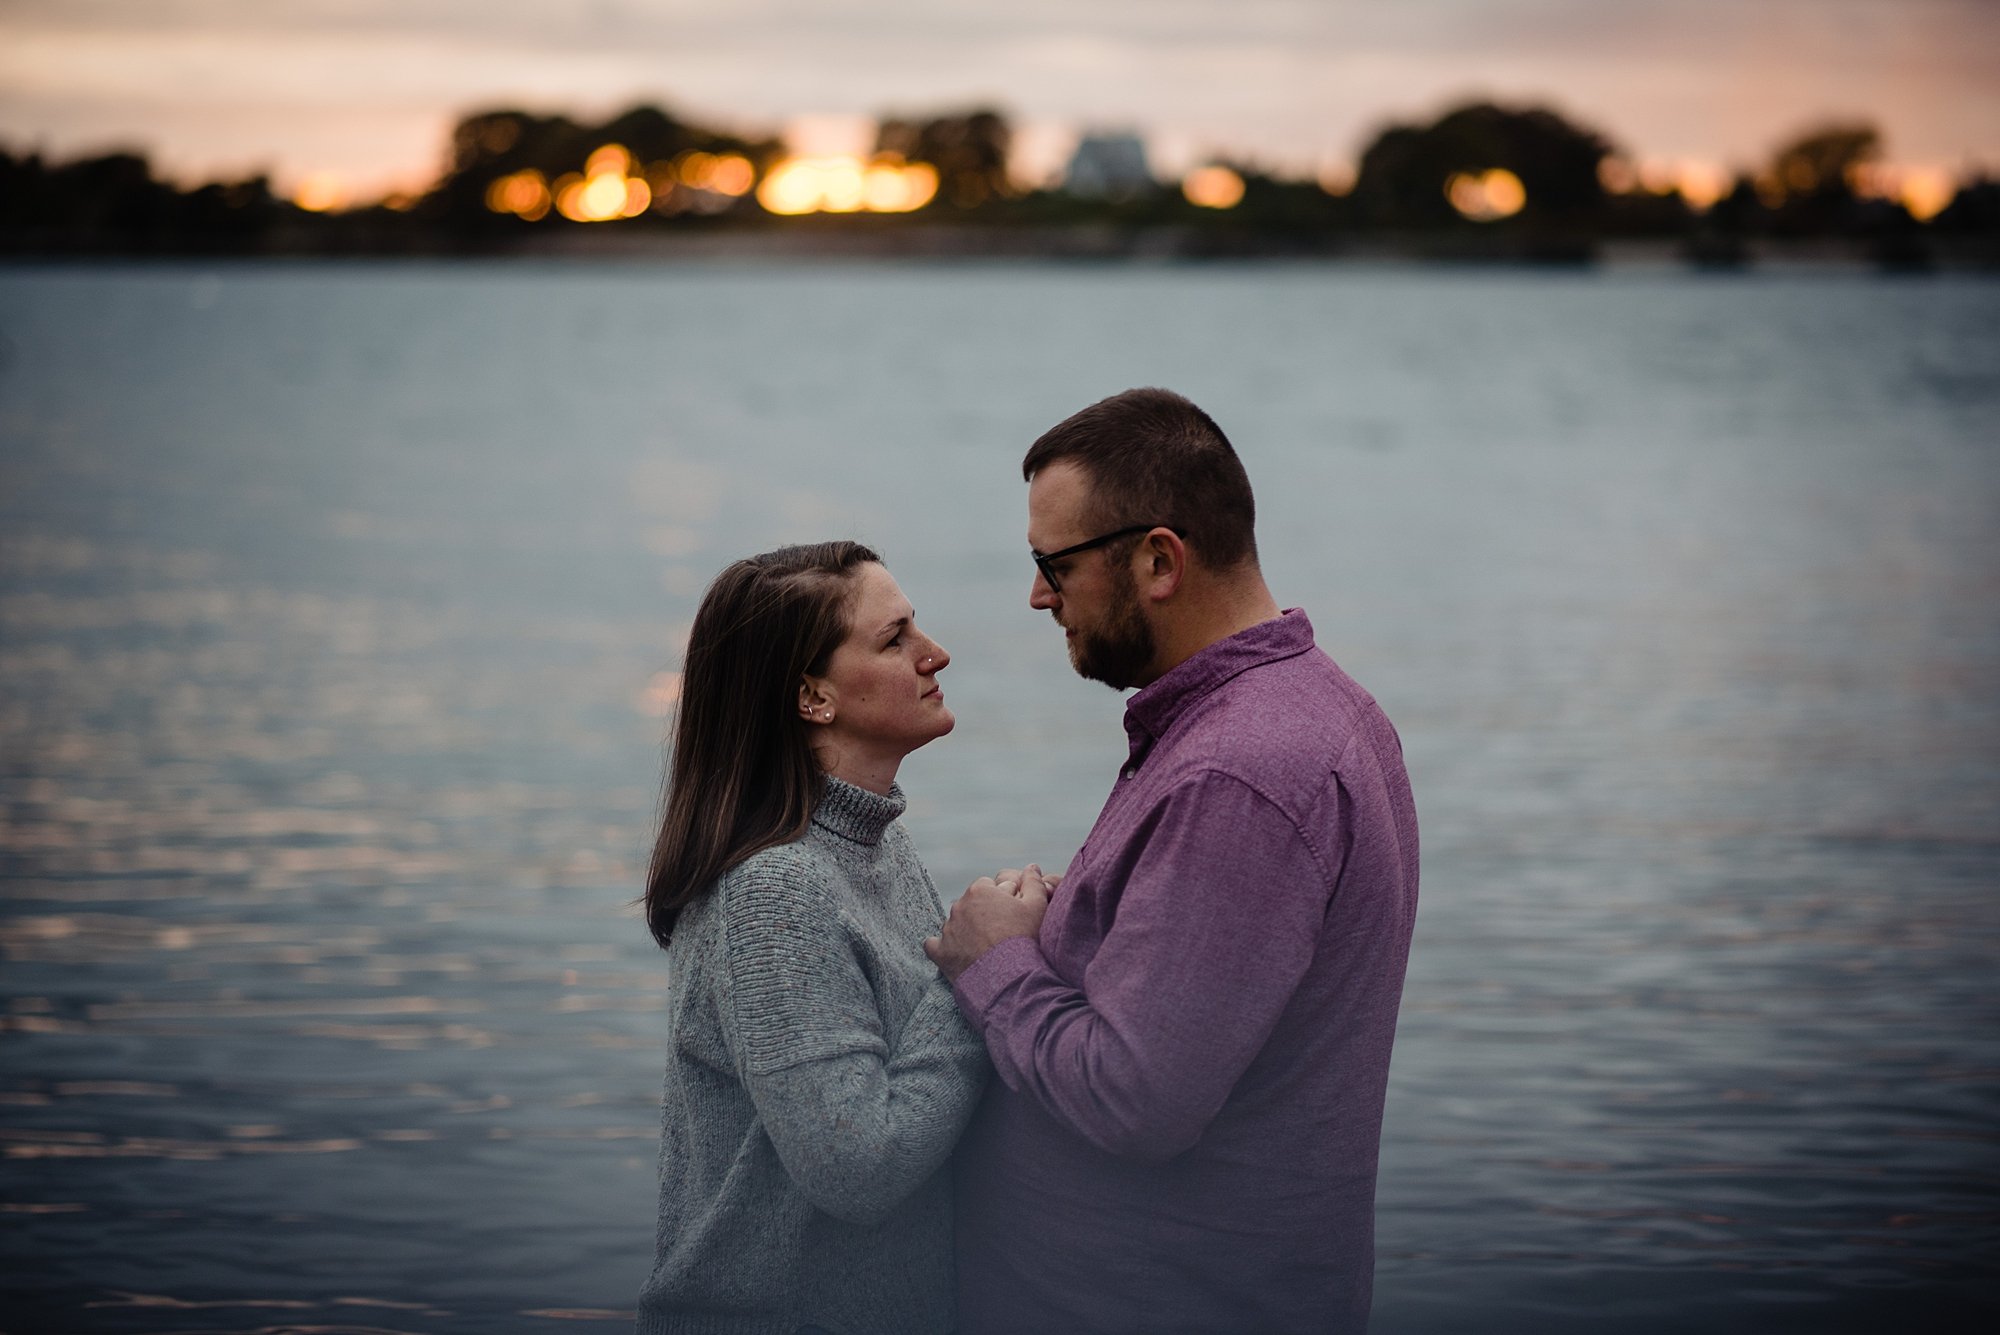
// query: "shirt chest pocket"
[[1069, 935]]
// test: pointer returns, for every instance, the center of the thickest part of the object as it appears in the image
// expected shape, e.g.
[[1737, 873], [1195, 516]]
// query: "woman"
[[818, 1072]]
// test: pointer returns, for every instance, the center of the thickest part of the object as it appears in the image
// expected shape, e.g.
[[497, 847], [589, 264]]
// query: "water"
[[332, 600]]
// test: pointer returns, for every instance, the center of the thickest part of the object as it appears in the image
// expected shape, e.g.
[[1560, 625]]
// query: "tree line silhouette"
[[1552, 179]]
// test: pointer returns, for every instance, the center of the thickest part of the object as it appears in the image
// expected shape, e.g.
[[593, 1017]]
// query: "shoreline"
[[1162, 246]]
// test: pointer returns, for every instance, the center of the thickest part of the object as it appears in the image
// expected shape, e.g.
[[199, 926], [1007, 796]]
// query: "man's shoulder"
[[1275, 715]]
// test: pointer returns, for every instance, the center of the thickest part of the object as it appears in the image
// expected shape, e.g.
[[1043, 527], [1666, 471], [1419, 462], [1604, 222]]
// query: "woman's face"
[[881, 682]]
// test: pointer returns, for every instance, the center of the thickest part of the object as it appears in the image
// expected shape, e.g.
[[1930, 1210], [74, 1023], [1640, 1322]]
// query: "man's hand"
[[992, 909], [1011, 879]]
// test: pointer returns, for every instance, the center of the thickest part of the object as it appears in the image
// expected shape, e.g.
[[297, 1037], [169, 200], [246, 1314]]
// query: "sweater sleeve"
[[1216, 924], [857, 1125]]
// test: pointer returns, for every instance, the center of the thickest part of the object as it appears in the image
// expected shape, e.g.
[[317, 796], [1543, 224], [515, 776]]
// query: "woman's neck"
[[876, 773]]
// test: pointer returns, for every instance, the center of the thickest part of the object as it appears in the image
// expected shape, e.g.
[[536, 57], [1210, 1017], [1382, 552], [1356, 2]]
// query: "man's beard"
[[1118, 652]]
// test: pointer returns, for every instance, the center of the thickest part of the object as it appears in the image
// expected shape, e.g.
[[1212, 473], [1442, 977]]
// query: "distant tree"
[[493, 143], [228, 217], [968, 149], [1645, 213], [1741, 212], [113, 204], [1404, 172], [1974, 210], [111, 195], [1810, 182], [1824, 161]]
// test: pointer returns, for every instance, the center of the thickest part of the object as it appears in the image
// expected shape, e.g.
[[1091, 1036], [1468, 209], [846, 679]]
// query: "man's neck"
[[1209, 613]]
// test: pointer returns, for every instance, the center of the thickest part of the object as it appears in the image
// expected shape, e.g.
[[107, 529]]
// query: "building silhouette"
[[1109, 165]]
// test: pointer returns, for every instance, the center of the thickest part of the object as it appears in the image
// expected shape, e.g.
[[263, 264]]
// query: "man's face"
[[1098, 608]]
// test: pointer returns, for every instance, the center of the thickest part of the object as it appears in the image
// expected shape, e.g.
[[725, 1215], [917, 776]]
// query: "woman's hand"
[[992, 909]]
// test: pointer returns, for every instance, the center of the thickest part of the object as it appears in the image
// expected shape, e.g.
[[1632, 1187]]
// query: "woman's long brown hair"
[[743, 776]]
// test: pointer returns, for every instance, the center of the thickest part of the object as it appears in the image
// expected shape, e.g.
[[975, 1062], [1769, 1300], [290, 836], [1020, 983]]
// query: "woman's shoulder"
[[790, 878], [802, 859]]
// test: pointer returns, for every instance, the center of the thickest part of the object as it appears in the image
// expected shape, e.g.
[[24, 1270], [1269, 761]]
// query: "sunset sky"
[[366, 89]]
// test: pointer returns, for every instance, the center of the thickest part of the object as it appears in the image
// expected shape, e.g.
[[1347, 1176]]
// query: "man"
[[1192, 1029]]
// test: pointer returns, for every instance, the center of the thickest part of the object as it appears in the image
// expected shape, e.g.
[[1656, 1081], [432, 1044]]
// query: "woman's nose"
[[937, 660]]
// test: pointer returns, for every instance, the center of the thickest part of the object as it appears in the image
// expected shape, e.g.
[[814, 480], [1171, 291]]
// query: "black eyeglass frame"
[[1043, 560]]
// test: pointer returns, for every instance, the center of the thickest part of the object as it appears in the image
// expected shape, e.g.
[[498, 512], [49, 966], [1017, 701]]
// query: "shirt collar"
[[1151, 712], [856, 814]]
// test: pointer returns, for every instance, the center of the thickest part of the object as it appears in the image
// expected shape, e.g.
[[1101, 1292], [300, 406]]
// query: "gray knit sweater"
[[818, 1075]]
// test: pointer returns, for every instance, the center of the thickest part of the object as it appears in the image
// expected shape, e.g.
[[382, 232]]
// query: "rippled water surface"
[[334, 608]]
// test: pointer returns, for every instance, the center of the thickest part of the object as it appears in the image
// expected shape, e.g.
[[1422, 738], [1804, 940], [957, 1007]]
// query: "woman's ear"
[[815, 700]]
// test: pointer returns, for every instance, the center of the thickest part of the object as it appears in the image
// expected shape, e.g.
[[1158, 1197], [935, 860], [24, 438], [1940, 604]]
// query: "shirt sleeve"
[[1216, 925], [857, 1125]]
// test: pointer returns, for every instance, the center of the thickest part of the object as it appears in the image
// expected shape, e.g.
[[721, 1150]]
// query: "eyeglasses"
[[1045, 562]]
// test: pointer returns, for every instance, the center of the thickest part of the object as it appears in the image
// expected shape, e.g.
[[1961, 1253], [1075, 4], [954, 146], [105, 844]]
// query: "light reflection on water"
[[333, 659]]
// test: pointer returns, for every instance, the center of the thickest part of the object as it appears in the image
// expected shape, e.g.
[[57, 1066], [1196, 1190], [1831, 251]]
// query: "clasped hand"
[[992, 909]]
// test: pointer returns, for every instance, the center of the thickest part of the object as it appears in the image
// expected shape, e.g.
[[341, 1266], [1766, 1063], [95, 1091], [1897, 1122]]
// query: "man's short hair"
[[1152, 457]]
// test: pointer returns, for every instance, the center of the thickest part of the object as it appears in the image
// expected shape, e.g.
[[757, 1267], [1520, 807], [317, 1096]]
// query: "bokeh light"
[[1486, 196], [321, 192], [844, 184], [731, 174], [524, 194], [1213, 187], [840, 185], [602, 197], [1926, 191], [660, 694], [610, 160], [1701, 184], [606, 189]]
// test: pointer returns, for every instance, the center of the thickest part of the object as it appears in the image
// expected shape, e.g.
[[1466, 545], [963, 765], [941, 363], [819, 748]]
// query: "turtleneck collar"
[[856, 814]]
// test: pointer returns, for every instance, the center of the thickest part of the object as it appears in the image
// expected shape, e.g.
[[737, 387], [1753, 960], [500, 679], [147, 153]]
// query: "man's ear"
[[1160, 564]]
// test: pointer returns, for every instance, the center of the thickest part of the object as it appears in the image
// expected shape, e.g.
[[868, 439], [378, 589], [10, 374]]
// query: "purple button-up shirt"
[[1193, 1055]]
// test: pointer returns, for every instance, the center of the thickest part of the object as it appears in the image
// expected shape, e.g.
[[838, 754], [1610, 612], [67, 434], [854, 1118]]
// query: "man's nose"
[[1040, 595]]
